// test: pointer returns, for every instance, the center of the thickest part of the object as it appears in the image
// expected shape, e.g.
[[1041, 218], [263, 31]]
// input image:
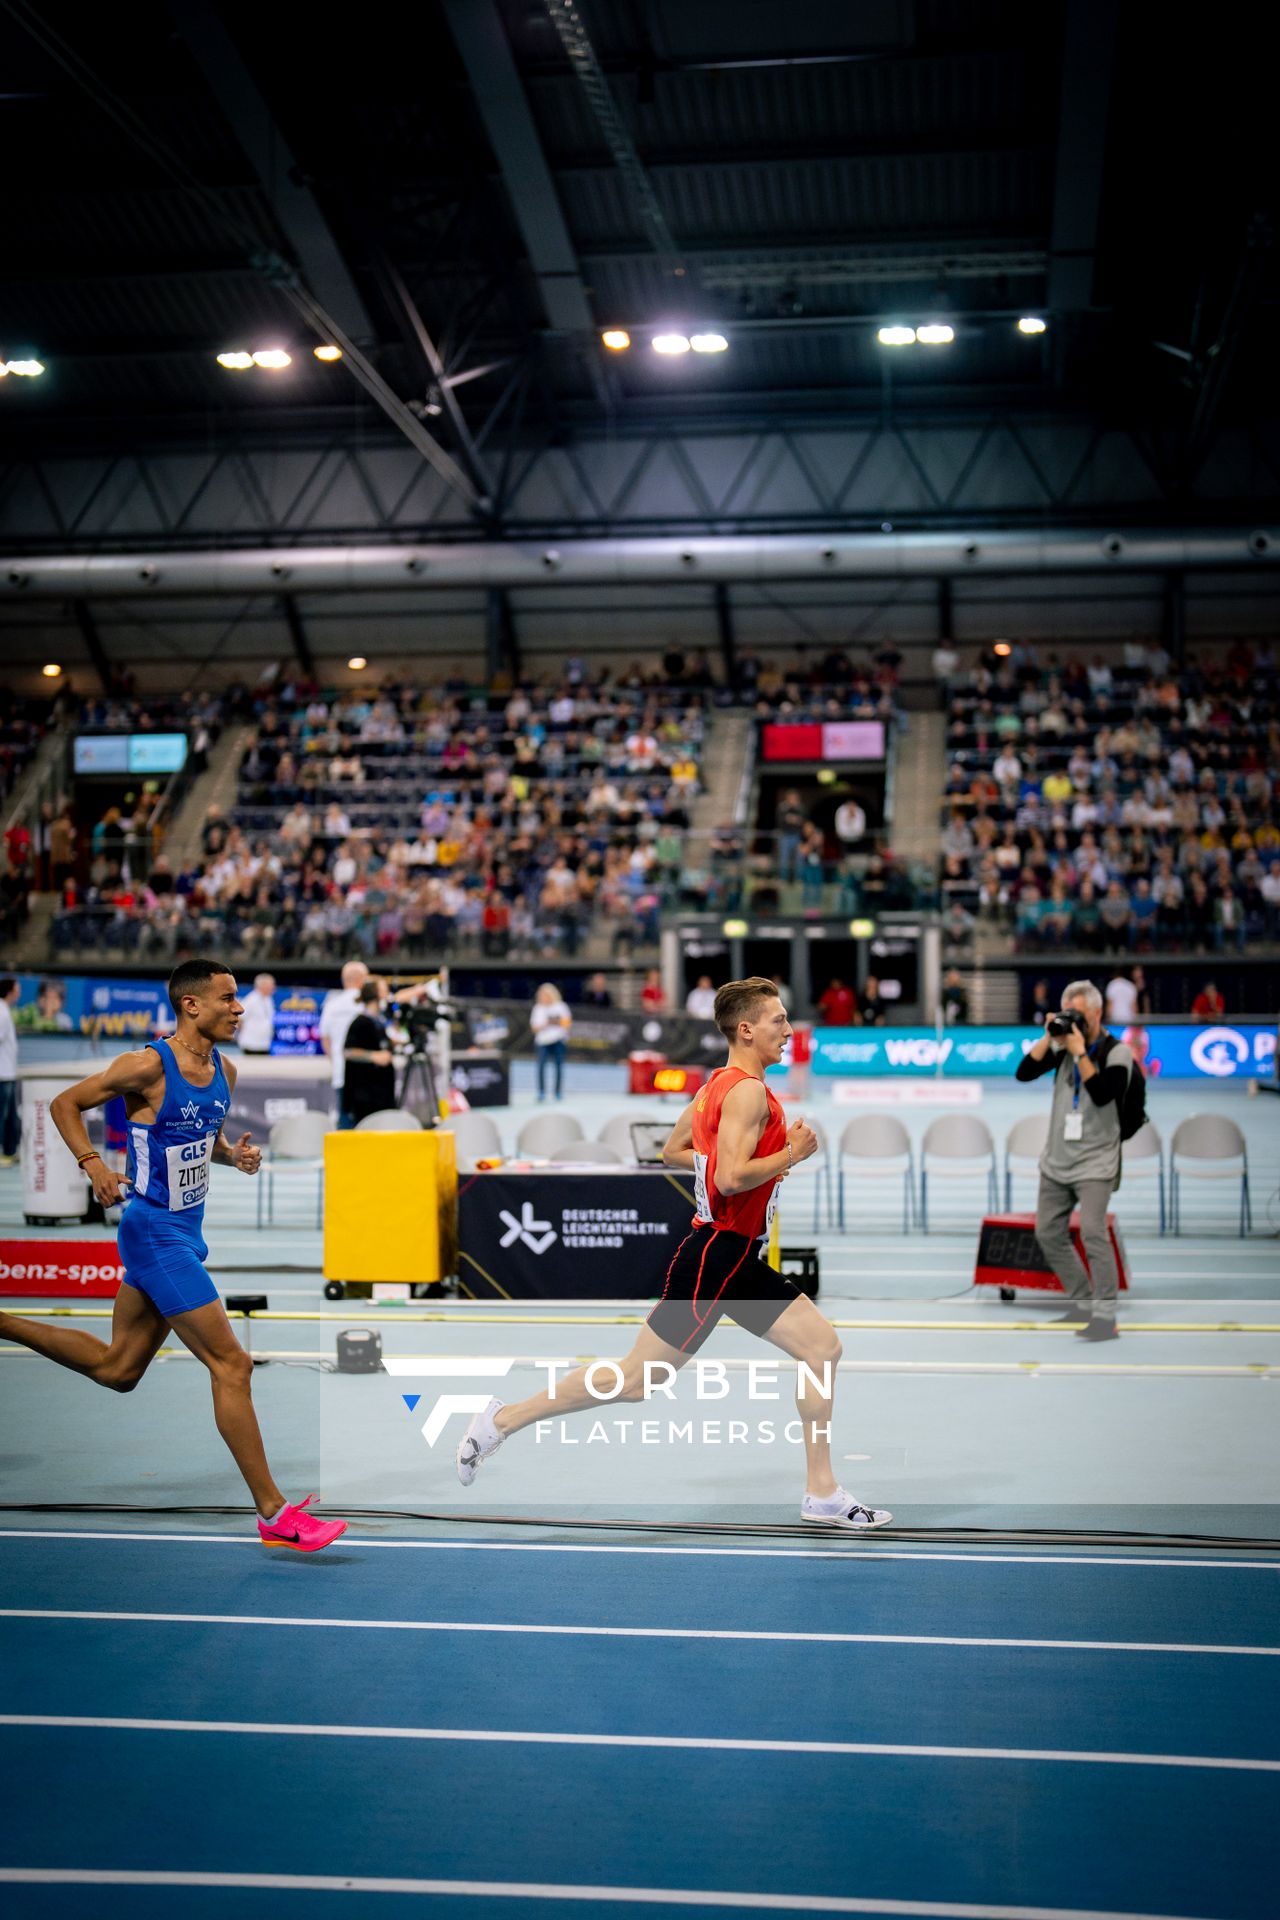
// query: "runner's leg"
[[808, 1335], [208, 1333], [137, 1330], [572, 1395]]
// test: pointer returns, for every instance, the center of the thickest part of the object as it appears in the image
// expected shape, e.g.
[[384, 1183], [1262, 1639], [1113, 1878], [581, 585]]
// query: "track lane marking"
[[121, 1616], [541, 1890], [664, 1742], [1047, 1557]]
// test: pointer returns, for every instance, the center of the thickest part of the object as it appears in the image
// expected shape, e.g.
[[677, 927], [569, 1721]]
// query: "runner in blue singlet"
[[177, 1096]]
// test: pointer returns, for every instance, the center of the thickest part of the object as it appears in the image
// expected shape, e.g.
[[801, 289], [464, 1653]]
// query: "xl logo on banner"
[[1220, 1051], [536, 1234]]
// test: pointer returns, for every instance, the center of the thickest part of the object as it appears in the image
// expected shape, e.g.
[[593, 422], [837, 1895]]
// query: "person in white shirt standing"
[[258, 1025], [339, 1010], [701, 1000], [9, 1127], [1121, 1001], [550, 1020]]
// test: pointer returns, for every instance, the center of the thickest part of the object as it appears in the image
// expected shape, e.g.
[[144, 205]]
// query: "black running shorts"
[[717, 1272]]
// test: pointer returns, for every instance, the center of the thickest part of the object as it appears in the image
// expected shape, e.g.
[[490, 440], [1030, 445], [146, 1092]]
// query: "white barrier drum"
[[53, 1187]]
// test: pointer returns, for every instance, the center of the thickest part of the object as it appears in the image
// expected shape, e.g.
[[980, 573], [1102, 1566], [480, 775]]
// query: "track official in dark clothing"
[[1080, 1165], [369, 1081]]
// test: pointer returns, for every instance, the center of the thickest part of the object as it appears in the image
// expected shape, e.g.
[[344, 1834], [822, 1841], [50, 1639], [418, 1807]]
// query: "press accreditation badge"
[[188, 1166], [1074, 1128]]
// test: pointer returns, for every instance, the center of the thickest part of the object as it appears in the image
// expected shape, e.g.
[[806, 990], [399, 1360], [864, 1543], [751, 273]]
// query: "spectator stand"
[[1114, 808]]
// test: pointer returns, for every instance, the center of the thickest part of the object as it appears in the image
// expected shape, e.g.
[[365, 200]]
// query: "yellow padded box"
[[390, 1206]]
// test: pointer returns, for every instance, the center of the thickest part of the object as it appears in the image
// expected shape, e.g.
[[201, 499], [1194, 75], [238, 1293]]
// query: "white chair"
[[882, 1143], [295, 1147], [616, 1131], [389, 1120], [539, 1137], [476, 1137], [586, 1153], [821, 1166], [1208, 1146], [956, 1146], [1144, 1155], [1024, 1143]]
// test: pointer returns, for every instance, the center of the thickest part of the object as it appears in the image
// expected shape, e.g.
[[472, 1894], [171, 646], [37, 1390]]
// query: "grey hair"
[[1082, 990]]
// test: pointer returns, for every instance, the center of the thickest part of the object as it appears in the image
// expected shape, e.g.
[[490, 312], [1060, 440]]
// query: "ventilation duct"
[[626, 562]]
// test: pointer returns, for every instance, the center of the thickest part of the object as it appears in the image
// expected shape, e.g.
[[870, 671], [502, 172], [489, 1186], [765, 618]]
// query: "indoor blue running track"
[[457, 1728]]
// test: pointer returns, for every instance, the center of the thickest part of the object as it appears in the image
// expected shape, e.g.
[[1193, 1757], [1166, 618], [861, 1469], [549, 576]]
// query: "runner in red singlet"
[[735, 1140]]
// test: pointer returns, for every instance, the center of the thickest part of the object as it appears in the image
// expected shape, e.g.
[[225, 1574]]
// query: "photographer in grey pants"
[[1080, 1165]]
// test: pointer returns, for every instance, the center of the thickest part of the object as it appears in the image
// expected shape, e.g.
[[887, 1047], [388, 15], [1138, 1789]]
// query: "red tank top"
[[750, 1214]]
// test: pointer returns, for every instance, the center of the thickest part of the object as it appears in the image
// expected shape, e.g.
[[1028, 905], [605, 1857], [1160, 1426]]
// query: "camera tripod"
[[420, 1080]]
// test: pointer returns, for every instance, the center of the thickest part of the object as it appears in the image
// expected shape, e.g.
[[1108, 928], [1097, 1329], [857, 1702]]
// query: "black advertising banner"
[[553, 1234], [597, 1033], [485, 1078]]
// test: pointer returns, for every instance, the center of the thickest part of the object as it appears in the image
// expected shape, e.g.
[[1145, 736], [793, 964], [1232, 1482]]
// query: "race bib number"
[[188, 1167], [701, 1203], [769, 1212]]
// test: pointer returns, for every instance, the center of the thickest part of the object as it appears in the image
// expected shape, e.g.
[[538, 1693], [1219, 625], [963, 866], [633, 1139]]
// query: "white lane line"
[[1047, 1557], [542, 1890], [628, 1633], [665, 1742]]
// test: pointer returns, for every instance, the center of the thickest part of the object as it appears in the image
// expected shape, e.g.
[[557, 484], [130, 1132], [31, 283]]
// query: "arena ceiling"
[[464, 194]]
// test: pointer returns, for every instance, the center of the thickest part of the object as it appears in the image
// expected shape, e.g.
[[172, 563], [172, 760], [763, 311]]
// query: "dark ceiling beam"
[[768, 153], [295, 206], [420, 343], [92, 642], [297, 634], [1088, 60], [478, 34]]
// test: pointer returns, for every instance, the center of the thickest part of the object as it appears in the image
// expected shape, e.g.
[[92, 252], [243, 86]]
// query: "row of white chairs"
[[1206, 1146]]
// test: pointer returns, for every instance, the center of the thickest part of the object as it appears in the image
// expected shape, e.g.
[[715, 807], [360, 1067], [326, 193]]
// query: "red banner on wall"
[[59, 1269]]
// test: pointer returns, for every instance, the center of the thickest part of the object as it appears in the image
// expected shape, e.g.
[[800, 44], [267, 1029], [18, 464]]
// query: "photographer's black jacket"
[[1108, 1083]]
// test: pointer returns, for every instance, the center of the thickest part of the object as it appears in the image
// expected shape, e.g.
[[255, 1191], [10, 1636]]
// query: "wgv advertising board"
[[1178, 1052]]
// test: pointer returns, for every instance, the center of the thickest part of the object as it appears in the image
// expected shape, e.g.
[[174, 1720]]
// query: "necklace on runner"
[[205, 1059]]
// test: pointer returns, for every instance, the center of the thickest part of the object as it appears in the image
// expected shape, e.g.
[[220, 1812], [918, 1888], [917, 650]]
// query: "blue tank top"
[[169, 1159]]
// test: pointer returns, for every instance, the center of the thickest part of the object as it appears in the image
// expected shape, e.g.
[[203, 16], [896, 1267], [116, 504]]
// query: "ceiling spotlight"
[[237, 362], [617, 339], [272, 357], [327, 352], [1002, 648], [51, 671], [1032, 323], [935, 335], [25, 369], [670, 343], [896, 336], [708, 343], [356, 662]]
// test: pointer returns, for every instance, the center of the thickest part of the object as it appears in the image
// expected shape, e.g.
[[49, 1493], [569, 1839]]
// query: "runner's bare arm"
[[678, 1151], [742, 1121], [128, 1073], [243, 1155]]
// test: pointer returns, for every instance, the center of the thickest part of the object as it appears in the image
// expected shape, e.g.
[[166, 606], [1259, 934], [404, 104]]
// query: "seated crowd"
[[439, 821], [1115, 807]]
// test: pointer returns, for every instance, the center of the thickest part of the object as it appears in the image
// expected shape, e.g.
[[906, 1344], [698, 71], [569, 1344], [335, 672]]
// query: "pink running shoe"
[[299, 1530]]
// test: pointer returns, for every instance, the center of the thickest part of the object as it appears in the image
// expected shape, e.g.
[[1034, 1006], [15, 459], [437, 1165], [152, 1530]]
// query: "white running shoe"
[[840, 1509], [477, 1443]]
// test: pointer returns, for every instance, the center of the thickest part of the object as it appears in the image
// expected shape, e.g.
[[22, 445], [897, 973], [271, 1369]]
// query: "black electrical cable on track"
[[720, 1529]]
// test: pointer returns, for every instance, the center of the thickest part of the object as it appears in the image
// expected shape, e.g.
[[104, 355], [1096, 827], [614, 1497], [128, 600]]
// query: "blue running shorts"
[[163, 1254]]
